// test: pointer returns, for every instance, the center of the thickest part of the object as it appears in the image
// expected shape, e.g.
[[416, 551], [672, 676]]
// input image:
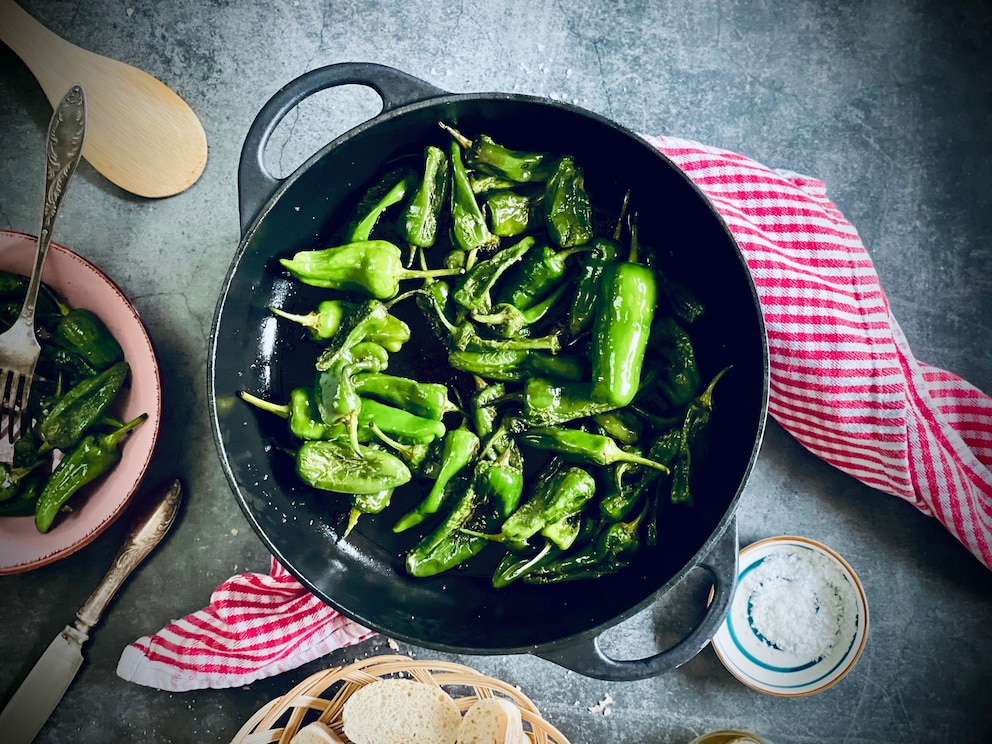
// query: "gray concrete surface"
[[889, 102]]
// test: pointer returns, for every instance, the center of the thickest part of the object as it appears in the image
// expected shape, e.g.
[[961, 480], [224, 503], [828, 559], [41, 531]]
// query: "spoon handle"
[[63, 149]]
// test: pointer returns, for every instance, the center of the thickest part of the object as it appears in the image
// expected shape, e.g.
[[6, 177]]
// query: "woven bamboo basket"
[[322, 696]]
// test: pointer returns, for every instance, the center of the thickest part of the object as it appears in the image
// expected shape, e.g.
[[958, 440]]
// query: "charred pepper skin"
[[81, 330], [418, 222], [518, 166], [333, 465], [82, 406], [93, 456], [567, 208], [469, 225], [390, 190]]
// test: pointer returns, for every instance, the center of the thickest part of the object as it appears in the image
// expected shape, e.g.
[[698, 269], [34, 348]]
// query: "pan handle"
[[395, 88], [586, 657]]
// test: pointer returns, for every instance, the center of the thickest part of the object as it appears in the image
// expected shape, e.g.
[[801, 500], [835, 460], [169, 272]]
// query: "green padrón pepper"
[[469, 225], [92, 457], [82, 406], [332, 465], [81, 330], [583, 445], [371, 267], [458, 450], [625, 309], [324, 322], [567, 209], [392, 189], [516, 165], [419, 219]]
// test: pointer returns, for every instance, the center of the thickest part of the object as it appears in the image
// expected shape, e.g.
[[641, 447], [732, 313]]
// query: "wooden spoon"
[[140, 134]]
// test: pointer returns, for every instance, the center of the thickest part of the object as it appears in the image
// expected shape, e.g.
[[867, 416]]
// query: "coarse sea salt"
[[799, 603]]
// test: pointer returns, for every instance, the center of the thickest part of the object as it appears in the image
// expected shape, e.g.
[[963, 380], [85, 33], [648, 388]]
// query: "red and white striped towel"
[[843, 382]]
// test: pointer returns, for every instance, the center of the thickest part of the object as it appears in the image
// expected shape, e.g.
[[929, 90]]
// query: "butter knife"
[[46, 683]]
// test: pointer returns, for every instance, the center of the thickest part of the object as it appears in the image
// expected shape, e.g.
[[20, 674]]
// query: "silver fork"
[[19, 348]]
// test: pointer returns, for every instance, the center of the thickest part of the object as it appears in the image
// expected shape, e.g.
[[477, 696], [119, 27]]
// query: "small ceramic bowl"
[[22, 547], [798, 621]]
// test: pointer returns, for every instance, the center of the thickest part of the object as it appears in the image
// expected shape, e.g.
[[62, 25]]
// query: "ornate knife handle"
[[147, 533]]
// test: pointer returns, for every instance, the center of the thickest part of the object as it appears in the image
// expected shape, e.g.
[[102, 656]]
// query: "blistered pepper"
[[300, 412], [419, 218], [372, 267], [509, 321], [464, 336], [93, 456], [492, 492], [677, 374], [591, 266], [567, 209], [538, 275], [510, 213], [459, 449], [562, 495], [390, 190], [516, 165], [81, 330], [515, 365], [335, 392], [333, 465], [606, 554], [697, 417], [399, 423], [427, 399], [468, 222], [324, 322], [81, 407], [473, 291], [58, 363], [549, 401], [25, 500], [367, 503], [583, 445]]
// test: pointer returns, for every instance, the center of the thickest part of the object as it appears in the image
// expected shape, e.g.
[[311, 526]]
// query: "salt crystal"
[[796, 603]]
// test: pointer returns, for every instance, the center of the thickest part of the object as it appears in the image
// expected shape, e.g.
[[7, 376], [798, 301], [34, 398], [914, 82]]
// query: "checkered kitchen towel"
[[843, 382]]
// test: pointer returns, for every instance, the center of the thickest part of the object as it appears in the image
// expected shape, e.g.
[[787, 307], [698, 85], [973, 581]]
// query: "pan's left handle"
[[255, 183], [586, 657]]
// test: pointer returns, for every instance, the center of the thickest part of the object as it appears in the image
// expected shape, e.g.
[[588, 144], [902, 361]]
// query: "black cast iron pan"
[[362, 576]]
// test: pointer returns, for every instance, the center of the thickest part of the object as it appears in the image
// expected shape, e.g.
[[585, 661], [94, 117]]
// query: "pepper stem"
[[110, 440], [637, 459], [428, 274], [460, 138], [405, 449], [309, 320], [353, 516], [264, 405]]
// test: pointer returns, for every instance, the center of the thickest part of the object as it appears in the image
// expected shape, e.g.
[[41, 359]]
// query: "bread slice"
[[400, 711], [315, 733], [491, 721]]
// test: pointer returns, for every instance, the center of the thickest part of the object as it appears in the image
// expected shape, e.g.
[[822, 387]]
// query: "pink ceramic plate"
[[22, 547]]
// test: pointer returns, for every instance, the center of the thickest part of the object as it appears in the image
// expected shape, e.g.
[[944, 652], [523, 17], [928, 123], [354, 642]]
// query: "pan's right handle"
[[395, 88]]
